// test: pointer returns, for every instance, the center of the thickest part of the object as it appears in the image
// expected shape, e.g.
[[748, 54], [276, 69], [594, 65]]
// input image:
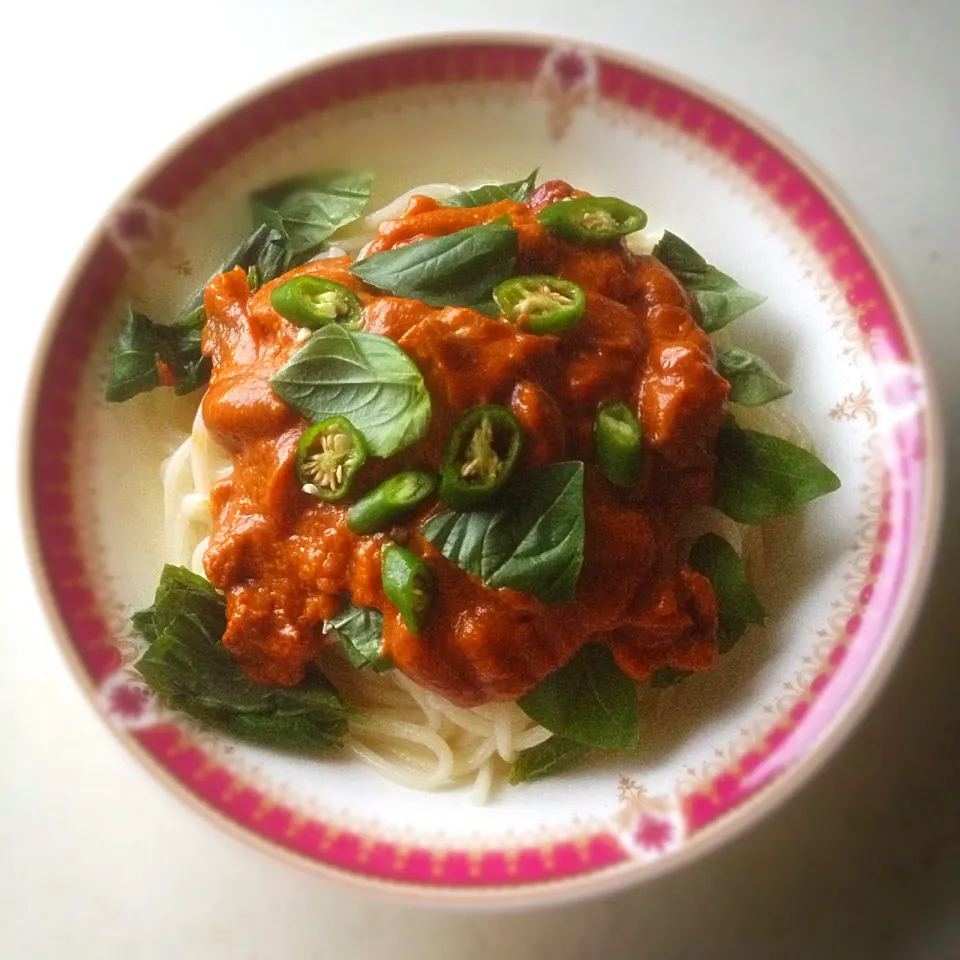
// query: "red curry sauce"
[[286, 560]]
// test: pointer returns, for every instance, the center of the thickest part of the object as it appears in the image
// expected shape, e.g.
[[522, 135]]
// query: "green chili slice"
[[393, 498], [541, 304], [408, 583], [482, 452], [592, 219], [329, 454], [619, 449], [314, 302]]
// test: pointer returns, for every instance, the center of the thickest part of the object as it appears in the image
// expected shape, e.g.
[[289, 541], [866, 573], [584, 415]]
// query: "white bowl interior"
[[467, 134]]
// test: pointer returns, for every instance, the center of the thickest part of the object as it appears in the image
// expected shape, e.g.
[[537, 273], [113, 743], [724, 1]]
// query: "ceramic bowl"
[[842, 584]]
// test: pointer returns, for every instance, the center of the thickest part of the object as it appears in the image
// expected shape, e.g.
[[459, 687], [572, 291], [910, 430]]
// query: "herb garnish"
[[519, 190], [529, 540], [753, 382], [304, 212], [459, 269], [720, 298], [760, 477], [545, 759], [361, 376], [738, 605], [360, 631], [590, 701], [188, 667], [297, 216], [147, 355]]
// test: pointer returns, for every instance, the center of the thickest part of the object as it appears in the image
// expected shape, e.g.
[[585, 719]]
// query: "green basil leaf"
[[360, 630], [184, 595], [760, 477], [664, 677], [361, 376], [184, 340], [460, 269], [720, 298], [531, 539], [590, 701], [296, 732], [188, 667], [306, 211], [738, 605], [133, 363], [143, 345], [261, 250], [144, 622], [547, 758], [519, 190], [753, 382]]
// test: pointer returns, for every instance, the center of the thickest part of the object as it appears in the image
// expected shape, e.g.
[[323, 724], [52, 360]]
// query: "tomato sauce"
[[286, 561]]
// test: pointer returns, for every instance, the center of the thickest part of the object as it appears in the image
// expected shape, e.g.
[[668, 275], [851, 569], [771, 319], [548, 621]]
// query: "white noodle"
[[483, 785], [412, 736]]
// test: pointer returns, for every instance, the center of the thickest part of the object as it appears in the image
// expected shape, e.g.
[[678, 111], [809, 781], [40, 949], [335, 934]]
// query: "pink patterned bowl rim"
[[877, 621]]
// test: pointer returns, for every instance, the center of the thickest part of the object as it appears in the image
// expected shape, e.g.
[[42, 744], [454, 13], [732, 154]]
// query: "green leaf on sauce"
[[361, 376], [760, 477], [531, 539], [590, 701], [188, 667], [460, 269], [753, 382], [720, 298], [738, 605], [305, 211], [143, 348], [360, 631], [519, 190], [545, 759]]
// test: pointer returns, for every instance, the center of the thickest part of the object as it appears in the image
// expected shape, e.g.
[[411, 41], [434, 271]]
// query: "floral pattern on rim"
[[144, 232], [854, 405], [649, 825], [567, 81]]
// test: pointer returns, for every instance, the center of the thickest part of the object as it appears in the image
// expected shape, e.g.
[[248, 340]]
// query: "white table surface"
[[97, 861]]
